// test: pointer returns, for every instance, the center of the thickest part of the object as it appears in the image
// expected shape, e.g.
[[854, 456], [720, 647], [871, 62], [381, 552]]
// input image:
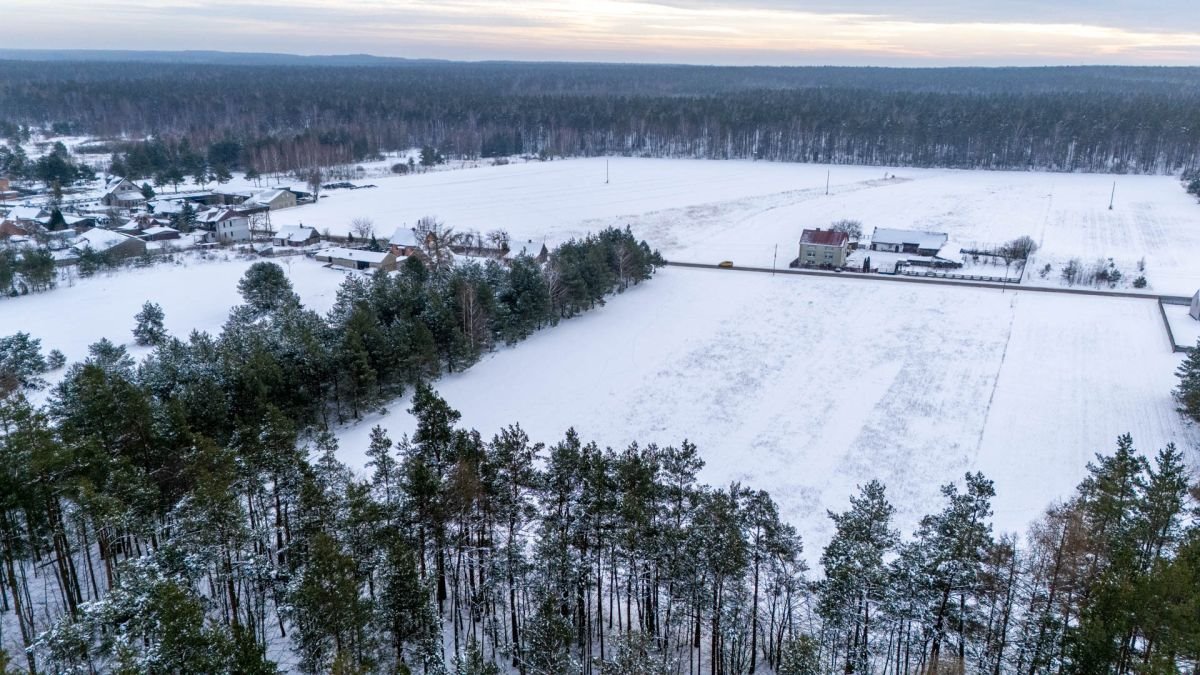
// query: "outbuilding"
[[357, 258], [907, 241]]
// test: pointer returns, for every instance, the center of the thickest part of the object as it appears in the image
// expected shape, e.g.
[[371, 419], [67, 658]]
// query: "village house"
[[907, 241], [114, 244], [404, 242], [122, 194], [295, 235], [357, 259], [225, 225], [823, 248]]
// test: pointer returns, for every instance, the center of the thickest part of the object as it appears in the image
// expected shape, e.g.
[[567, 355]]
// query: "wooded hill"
[[1107, 119]]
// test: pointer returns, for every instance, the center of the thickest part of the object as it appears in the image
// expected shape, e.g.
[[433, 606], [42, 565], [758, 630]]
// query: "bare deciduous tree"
[[363, 227]]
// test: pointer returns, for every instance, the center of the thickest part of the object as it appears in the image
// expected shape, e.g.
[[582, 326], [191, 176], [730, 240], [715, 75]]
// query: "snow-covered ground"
[[1184, 328], [803, 386], [195, 294], [707, 211], [806, 387]]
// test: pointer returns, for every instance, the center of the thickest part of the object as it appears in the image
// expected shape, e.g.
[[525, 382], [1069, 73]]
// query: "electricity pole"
[[774, 259], [1113, 196], [827, 171]]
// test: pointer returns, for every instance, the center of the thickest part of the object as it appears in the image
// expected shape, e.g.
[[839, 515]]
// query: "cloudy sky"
[[773, 32]]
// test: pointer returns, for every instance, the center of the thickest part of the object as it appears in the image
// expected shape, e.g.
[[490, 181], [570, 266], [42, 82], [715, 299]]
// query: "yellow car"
[[725, 264]]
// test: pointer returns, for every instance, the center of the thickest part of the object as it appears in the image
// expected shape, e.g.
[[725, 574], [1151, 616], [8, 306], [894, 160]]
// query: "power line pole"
[[1113, 196], [774, 259], [827, 172]]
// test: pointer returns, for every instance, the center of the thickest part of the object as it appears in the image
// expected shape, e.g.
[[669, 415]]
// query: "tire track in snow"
[[987, 410]]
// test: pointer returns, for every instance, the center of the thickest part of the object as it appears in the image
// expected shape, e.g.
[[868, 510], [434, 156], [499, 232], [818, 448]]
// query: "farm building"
[[275, 199], [112, 243], [295, 235], [823, 248], [907, 241], [357, 259], [159, 233]]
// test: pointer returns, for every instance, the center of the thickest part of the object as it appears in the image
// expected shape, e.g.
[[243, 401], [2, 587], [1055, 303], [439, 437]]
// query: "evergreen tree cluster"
[[25, 270], [292, 117], [55, 168]]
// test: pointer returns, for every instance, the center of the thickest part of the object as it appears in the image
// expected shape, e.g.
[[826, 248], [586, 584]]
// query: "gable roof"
[[343, 253], [99, 239], [404, 236], [921, 239], [821, 237], [296, 233], [24, 213], [268, 196]]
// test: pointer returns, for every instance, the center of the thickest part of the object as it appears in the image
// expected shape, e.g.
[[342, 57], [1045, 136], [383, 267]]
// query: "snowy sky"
[[772, 32]]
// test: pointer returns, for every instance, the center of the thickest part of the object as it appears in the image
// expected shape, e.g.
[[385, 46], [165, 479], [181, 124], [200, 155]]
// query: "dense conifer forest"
[[286, 117]]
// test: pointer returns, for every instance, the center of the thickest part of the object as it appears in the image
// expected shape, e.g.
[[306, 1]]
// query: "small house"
[[823, 248], [226, 225], [114, 244], [1194, 310], [404, 242], [295, 235], [357, 259], [121, 193], [907, 241]]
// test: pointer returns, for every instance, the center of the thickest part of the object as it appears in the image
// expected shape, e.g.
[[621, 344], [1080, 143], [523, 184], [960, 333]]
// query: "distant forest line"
[[284, 117]]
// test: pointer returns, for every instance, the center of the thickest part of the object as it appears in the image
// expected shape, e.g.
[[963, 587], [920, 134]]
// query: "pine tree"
[[266, 288], [149, 329], [1187, 393]]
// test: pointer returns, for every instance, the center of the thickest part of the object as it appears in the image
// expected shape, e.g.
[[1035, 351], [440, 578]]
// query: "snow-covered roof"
[[922, 240], [267, 196], [166, 206], [295, 233], [159, 230], [404, 236], [344, 253], [99, 239], [24, 213], [130, 195], [218, 215]]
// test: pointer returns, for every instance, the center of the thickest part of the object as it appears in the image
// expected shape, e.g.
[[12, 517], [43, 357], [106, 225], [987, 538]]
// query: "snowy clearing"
[[195, 294], [806, 387]]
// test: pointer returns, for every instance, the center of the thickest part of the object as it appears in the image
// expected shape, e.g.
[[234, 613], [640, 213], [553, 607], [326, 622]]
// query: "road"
[[1169, 299]]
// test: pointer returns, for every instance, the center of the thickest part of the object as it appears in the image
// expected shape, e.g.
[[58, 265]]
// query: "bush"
[[1139, 282]]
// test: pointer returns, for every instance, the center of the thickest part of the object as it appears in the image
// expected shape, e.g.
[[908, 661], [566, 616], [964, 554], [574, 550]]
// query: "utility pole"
[[774, 259], [827, 171], [1113, 196]]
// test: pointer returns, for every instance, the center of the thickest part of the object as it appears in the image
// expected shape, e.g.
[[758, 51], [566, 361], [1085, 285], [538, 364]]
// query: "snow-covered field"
[[806, 387], [707, 211], [803, 386], [195, 294]]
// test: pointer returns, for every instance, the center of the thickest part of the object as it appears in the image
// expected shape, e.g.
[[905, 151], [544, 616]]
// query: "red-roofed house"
[[823, 248]]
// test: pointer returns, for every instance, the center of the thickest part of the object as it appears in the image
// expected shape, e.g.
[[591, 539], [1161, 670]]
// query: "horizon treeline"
[[284, 118]]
